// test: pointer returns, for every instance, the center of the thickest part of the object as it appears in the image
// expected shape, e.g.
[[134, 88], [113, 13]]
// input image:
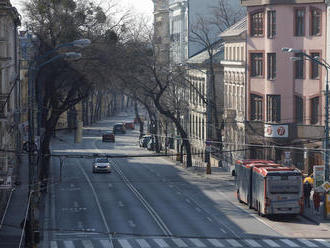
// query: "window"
[[316, 22], [256, 107], [299, 109], [299, 66], [271, 27], [257, 24], [315, 110], [273, 108], [315, 67], [271, 65], [256, 64], [300, 22]]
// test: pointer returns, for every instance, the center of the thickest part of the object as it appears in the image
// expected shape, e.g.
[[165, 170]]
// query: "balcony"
[[3, 110]]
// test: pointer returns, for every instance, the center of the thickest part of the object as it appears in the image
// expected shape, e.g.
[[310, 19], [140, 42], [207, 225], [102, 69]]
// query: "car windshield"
[[102, 160]]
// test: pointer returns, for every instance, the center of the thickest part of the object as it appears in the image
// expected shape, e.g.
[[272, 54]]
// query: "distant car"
[[108, 136], [119, 128], [101, 165], [144, 140], [130, 125]]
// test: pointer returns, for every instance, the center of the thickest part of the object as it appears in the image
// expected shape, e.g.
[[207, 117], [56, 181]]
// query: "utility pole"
[[326, 141]]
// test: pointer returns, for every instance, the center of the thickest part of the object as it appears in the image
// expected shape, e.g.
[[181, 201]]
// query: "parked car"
[[130, 125], [119, 128], [108, 136], [151, 144], [144, 140], [101, 165]]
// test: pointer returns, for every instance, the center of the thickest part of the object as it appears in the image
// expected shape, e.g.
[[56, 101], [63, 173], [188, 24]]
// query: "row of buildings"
[[272, 104]]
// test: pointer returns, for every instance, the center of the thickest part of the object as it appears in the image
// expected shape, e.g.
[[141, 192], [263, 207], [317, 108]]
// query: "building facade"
[[285, 99], [234, 64], [9, 97]]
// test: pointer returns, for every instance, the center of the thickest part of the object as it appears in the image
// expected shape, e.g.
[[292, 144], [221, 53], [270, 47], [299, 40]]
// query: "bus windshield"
[[284, 185]]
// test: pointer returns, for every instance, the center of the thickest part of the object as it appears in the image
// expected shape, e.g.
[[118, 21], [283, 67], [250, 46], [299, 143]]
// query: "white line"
[[197, 242], [323, 242], [87, 243], [143, 243], [252, 243], [98, 204], [180, 243], [223, 230], [233, 243], [289, 243], [7, 205], [105, 243], [270, 242], [131, 223], [161, 243], [307, 242], [187, 200], [53, 244], [124, 243], [209, 219], [216, 243], [120, 204], [68, 244], [198, 209]]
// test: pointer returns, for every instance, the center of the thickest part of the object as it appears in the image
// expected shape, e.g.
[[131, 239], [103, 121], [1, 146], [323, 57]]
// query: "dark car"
[[130, 125], [119, 128], [108, 136]]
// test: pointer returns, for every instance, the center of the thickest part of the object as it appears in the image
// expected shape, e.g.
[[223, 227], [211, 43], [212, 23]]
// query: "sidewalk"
[[225, 176], [11, 231]]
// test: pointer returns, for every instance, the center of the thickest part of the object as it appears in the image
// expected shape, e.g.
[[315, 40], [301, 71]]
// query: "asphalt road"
[[145, 202]]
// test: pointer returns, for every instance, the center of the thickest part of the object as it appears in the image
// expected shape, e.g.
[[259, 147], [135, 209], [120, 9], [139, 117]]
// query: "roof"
[[235, 30], [203, 57]]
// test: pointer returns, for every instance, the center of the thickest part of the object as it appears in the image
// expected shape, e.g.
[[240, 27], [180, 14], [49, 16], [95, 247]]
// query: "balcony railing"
[[3, 102]]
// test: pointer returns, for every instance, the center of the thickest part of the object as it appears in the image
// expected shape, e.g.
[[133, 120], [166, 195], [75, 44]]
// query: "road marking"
[[143, 243], [289, 243], [87, 243], [72, 185], [233, 243], [209, 219], [223, 230], [110, 185], [180, 243], [53, 244], [120, 204], [161, 243], [216, 243], [270, 242], [105, 243], [187, 200], [198, 209], [131, 223], [171, 185], [124, 243], [252, 243], [75, 204], [68, 244], [178, 192], [323, 242], [197, 242], [98, 204], [307, 242]]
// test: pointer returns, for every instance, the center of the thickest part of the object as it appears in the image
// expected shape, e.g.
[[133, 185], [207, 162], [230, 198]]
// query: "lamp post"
[[326, 126], [34, 67]]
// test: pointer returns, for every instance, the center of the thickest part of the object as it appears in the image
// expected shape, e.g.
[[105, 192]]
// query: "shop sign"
[[276, 131]]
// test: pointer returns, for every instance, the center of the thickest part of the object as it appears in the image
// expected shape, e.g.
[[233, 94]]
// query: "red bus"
[[243, 172], [277, 190]]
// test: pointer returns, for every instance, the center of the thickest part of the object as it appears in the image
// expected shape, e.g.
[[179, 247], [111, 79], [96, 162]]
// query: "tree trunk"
[[137, 116]]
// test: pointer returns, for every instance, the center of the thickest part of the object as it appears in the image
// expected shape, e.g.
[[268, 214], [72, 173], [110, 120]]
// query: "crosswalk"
[[189, 243]]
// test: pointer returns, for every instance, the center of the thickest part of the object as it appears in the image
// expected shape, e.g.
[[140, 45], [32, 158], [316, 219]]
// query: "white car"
[[101, 165]]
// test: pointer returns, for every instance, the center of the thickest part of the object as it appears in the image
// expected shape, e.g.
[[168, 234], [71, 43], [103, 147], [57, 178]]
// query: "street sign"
[[319, 172]]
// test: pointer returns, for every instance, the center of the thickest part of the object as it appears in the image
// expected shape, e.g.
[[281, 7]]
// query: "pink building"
[[285, 100]]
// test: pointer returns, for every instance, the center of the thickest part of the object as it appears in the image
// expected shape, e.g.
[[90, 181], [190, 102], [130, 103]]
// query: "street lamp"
[[327, 67]]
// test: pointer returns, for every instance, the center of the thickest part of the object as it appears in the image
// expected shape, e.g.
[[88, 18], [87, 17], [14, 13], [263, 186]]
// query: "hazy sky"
[[139, 6]]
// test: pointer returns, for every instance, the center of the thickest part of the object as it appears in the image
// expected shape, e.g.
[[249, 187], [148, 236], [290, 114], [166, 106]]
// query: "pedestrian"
[[316, 200], [307, 193]]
